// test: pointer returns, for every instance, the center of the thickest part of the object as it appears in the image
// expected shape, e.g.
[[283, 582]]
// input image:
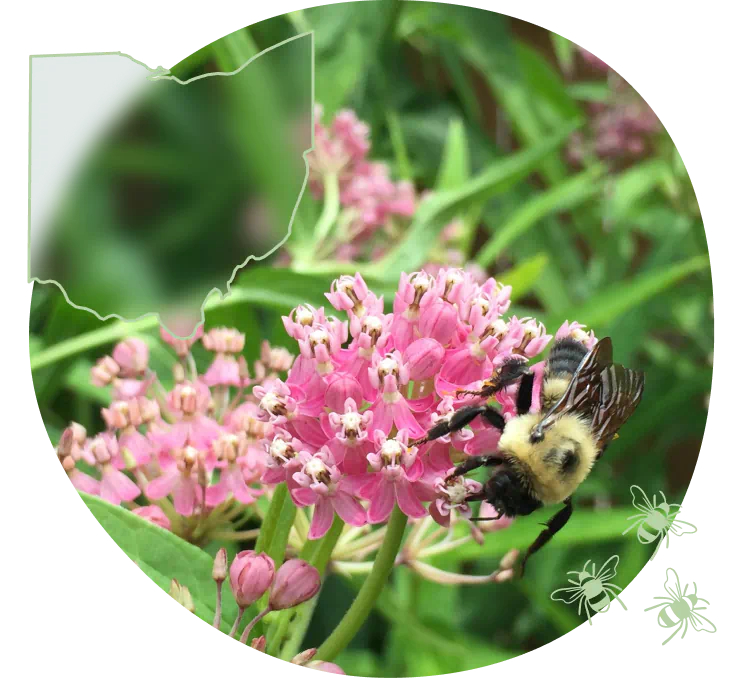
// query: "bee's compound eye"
[[537, 435]]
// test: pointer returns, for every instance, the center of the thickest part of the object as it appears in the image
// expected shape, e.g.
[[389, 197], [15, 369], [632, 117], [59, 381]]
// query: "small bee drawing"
[[656, 520], [592, 589]]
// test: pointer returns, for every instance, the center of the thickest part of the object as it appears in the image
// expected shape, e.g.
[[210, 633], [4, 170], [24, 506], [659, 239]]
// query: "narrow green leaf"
[[629, 189], [436, 211], [523, 277], [454, 169], [589, 91], [565, 195], [610, 303], [395, 131], [564, 50]]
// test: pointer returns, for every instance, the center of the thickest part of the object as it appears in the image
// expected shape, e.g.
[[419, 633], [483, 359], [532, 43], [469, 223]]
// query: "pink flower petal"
[[439, 518], [217, 494], [382, 417], [382, 502], [408, 501], [83, 482], [349, 509], [162, 486], [303, 496], [322, 519], [184, 498], [405, 419]]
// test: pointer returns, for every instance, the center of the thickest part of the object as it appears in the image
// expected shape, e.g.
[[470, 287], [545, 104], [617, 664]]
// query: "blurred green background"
[[478, 108]]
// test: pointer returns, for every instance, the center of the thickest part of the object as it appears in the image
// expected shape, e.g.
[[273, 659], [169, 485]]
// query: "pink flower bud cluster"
[[368, 195], [200, 442], [253, 574]]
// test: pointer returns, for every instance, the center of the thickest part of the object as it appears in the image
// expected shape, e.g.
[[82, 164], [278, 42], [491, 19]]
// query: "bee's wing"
[[672, 584], [609, 569], [700, 623], [584, 389], [620, 393], [568, 595], [639, 499], [680, 527]]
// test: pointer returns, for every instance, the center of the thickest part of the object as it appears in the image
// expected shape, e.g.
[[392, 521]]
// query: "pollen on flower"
[[391, 452], [317, 470]]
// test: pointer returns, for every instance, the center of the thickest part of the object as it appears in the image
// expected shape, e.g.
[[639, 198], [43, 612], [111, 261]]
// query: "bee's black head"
[[508, 495]]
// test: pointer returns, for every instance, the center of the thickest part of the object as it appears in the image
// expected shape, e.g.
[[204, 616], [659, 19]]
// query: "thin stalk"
[[371, 589], [330, 210], [219, 605], [245, 635], [237, 621], [230, 535], [269, 526]]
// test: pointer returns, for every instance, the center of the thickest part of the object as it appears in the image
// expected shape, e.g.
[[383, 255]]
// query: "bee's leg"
[[525, 394], [509, 372], [461, 418], [493, 417], [471, 463], [552, 526]]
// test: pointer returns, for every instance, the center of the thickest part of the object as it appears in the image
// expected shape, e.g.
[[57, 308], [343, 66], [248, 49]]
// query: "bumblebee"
[[542, 457]]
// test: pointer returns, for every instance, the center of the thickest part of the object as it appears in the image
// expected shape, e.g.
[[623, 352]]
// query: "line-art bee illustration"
[[591, 588], [542, 457], [656, 520]]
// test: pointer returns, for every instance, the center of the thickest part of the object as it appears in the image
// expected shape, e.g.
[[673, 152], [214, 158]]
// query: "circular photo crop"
[[451, 405]]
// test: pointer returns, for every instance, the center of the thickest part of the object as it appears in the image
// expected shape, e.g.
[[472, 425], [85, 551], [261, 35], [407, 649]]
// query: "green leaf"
[[551, 100], [436, 210], [523, 277], [589, 91], [564, 50], [611, 303], [568, 194], [634, 184], [398, 143], [163, 556], [454, 169]]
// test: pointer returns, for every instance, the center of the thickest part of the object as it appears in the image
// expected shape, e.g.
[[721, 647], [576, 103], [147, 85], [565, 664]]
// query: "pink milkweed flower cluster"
[[371, 201], [374, 208], [621, 128], [362, 388], [334, 424], [173, 451]]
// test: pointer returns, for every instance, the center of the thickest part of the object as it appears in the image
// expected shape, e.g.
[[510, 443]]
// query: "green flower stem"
[[269, 525], [291, 627], [330, 210], [368, 594]]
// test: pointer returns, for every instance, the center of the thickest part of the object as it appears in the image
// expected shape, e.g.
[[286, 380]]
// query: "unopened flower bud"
[[65, 444], [296, 582], [220, 566], [259, 644], [423, 358], [132, 356], [153, 514], [503, 576], [182, 595], [327, 667], [304, 657], [224, 340], [251, 574], [104, 372], [79, 433]]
